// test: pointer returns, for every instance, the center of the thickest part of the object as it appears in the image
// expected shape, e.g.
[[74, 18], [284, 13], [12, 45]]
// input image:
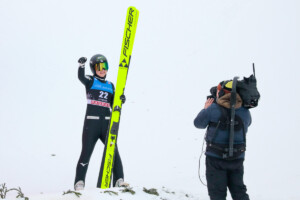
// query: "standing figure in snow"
[[100, 96], [222, 170]]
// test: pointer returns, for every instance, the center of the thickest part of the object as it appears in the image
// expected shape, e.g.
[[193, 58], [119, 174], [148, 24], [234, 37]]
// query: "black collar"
[[101, 79]]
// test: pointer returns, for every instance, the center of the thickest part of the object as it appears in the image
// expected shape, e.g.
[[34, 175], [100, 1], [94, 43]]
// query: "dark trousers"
[[221, 174], [93, 130]]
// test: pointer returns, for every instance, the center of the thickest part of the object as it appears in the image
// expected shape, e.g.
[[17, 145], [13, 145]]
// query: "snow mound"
[[130, 193]]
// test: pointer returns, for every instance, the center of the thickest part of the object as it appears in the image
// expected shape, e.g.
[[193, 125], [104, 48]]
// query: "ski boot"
[[79, 186], [120, 183]]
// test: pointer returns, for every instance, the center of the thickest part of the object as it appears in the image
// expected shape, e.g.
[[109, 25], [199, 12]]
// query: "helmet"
[[97, 59]]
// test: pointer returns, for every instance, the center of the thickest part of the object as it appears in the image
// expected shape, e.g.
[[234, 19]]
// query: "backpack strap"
[[223, 122]]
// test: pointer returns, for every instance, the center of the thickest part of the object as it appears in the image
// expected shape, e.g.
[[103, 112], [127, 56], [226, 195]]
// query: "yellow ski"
[[104, 179]]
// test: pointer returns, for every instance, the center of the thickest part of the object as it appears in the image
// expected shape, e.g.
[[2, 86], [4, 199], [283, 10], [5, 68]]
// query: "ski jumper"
[[100, 96]]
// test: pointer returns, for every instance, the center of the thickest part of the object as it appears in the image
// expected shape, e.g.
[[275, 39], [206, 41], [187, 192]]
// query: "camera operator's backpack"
[[248, 91]]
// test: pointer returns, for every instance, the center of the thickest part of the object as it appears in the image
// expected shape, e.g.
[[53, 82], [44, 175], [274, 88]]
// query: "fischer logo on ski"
[[128, 30], [108, 171], [121, 64]]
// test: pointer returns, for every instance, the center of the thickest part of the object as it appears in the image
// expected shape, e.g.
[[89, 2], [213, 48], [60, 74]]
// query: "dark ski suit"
[[100, 95], [221, 172]]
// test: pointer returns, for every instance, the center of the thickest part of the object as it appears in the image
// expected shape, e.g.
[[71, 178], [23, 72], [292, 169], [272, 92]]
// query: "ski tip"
[[134, 8]]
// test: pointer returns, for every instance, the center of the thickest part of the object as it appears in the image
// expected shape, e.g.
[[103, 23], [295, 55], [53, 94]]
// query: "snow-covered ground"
[[132, 193], [182, 48]]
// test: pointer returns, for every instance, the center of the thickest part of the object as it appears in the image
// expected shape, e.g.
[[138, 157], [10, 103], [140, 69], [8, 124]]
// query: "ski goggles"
[[101, 66]]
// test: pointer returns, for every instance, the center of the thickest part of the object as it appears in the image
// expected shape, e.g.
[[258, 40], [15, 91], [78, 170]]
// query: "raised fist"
[[82, 60]]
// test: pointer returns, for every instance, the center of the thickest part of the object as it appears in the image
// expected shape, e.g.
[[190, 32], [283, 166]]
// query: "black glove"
[[82, 60], [123, 98]]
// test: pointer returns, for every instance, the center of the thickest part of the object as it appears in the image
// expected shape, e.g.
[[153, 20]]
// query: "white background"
[[182, 48]]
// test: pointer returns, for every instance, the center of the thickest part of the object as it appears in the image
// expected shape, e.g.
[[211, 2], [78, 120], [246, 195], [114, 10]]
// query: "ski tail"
[[107, 164]]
